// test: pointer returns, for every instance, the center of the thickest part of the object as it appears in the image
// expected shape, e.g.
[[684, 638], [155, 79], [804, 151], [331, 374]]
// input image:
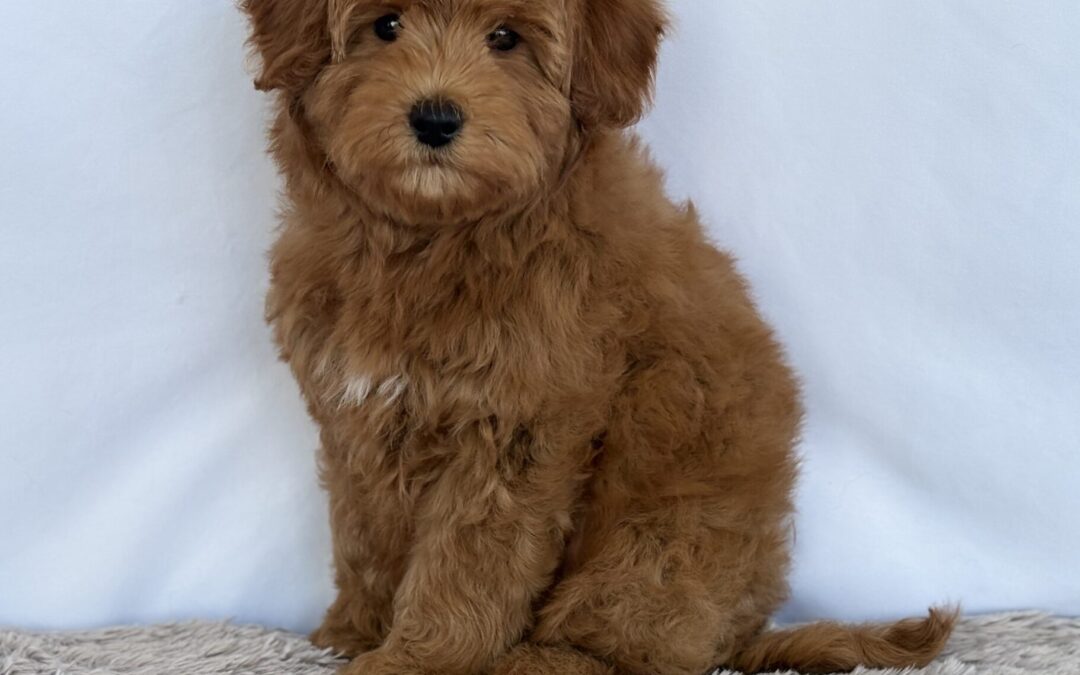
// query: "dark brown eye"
[[503, 39], [387, 27]]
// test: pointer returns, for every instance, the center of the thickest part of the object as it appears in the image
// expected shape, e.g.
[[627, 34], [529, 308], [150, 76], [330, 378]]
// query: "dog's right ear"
[[292, 40]]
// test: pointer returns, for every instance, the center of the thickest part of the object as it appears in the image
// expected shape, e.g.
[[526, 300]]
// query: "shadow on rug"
[[1011, 644]]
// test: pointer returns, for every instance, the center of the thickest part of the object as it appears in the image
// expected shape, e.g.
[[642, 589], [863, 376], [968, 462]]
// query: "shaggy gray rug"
[[1012, 644]]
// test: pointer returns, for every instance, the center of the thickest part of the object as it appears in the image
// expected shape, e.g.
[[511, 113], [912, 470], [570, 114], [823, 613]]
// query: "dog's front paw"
[[530, 659], [382, 662], [342, 640]]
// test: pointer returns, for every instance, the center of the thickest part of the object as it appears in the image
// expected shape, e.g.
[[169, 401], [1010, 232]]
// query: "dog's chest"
[[412, 395], [361, 389], [393, 339]]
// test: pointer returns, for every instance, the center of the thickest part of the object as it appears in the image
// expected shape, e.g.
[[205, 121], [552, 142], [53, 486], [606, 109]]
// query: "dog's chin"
[[433, 192]]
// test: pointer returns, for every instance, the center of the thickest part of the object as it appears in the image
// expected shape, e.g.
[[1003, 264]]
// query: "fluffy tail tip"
[[924, 639], [829, 647]]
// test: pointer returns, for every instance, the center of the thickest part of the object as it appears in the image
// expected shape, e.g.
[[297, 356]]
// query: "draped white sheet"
[[900, 179]]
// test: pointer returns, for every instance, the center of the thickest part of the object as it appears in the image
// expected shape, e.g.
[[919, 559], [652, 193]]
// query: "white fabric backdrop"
[[901, 180]]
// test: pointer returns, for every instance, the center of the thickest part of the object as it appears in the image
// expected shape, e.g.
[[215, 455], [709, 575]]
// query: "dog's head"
[[444, 110]]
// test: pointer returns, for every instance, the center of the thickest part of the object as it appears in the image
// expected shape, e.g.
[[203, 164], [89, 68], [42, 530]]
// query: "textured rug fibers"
[[1011, 644]]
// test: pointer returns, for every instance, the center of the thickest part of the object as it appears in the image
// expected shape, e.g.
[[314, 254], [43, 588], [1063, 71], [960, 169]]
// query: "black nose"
[[435, 123]]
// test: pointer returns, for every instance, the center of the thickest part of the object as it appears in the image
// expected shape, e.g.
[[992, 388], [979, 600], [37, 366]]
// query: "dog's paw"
[[542, 660], [342, 642], [381, 662]]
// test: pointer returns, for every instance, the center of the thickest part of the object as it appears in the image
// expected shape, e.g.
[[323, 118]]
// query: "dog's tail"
[[829, 647]]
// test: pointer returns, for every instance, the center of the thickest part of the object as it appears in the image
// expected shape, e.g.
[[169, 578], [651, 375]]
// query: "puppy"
[[556, 435]]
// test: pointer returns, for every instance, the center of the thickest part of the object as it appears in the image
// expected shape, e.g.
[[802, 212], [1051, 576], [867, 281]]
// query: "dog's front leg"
[[490, 534]]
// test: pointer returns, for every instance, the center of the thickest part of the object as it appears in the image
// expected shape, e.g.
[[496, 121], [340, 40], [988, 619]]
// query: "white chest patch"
[[359, 390]]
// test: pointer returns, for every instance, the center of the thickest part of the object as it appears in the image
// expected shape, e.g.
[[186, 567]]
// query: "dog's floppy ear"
[[291, 38], [617, 46]]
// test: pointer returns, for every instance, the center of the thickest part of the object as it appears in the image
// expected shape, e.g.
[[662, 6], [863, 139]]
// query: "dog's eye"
[[387, 27], [503, 39]]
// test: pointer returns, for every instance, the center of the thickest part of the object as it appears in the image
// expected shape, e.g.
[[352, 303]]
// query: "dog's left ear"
[[291, 38], [617, 46]]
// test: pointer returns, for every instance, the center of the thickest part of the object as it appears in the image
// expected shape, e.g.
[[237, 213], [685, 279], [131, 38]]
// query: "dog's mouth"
[[439, 158], [432, 177]]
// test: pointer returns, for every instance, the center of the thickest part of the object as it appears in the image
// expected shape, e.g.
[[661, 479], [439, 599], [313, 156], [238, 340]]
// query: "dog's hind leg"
[[648, 605], [681, 555]]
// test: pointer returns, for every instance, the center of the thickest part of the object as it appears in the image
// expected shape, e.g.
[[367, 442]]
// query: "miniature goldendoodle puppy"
[[557, 437]]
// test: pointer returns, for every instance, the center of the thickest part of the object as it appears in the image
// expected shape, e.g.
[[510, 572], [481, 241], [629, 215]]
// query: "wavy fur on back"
[[556, 434]]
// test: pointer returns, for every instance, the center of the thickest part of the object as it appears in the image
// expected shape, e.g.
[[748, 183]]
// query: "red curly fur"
[[556, 435]]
